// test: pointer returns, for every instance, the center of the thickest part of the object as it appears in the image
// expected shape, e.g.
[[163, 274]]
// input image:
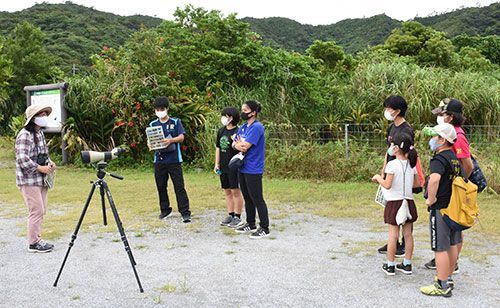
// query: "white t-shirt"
[[399, 168]]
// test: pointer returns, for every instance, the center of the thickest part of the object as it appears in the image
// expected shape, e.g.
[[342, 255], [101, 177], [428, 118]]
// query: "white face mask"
[[388, 116], [440, 120], [224, 120], [161, 114], [41, 121]]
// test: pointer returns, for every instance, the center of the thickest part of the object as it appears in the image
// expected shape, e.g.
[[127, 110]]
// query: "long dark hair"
[[31, 127], [457, 120], [405, 143]]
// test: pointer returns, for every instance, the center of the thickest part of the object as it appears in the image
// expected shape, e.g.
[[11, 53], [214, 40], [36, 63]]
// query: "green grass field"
[[136, 199]]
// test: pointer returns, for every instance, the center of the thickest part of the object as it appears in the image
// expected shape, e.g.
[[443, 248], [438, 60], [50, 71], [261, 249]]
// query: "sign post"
[[52, 95]]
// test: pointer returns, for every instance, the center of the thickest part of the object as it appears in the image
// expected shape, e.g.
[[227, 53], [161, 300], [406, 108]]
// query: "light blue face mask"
[[434, 145], [390, 152]]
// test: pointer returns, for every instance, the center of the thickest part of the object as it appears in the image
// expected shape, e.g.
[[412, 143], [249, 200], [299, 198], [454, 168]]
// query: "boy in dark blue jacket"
[[168, 161]]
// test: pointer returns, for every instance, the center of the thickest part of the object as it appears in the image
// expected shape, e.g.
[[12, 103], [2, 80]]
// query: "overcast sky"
[[305, 11]]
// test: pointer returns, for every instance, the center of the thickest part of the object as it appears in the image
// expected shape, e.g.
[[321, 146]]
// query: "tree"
[[30, 63], [437, 51], [488, 46], [471, 59], [331, 54], [5, 76], [428, 46]]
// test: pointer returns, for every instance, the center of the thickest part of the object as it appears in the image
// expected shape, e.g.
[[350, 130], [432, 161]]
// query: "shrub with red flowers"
[[113, 104]]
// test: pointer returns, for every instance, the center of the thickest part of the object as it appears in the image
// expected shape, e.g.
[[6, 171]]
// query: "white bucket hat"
[[33, 110]]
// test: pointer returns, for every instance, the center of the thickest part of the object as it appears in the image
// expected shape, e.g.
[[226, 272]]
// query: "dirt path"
[[308, 261]]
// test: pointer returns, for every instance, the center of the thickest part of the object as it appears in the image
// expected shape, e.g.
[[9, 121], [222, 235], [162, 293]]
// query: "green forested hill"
[[352, 34], [283, 32], [74, 32], [471, 21], [356, 34]]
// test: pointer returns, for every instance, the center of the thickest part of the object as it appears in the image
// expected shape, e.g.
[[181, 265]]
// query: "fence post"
[[346, 140]]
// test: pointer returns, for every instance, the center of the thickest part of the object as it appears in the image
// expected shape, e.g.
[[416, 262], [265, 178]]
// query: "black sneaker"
[[186, 218], [164, 215], [406, 269], [245, 228], [400, 251], [456, 271], [431, 264], [383, 249], [41, 246], [389, 270], [260, 233]]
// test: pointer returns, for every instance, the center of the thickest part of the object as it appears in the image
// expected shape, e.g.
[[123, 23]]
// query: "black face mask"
[[246, 116]]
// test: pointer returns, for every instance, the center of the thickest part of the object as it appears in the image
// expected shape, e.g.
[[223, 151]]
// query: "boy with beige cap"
[[444, 241]]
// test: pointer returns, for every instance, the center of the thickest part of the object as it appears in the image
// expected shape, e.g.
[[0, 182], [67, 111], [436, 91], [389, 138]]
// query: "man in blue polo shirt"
[[167, 161]]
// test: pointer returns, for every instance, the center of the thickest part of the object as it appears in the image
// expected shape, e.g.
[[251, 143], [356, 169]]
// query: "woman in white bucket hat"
[[32, 164]]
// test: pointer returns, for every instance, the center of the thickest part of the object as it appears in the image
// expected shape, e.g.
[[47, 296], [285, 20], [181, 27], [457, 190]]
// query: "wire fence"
[[372, 136]]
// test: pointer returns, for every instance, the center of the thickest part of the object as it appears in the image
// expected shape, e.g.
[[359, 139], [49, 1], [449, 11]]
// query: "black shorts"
[[229, 179]]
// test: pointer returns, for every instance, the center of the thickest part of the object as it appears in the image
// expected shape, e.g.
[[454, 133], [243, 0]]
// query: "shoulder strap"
[[44, 141]]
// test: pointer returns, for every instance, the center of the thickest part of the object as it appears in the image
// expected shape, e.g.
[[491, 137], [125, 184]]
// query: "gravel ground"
[[307, 261]]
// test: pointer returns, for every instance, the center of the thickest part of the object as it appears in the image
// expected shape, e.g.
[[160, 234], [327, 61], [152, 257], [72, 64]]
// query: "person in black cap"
[[450, 111], [167, 161]]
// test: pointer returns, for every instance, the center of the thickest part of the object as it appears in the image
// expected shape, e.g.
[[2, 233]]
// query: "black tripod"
[[104, 189]]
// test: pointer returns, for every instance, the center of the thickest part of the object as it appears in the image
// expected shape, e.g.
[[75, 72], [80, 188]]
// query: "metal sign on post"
[[52, 95]]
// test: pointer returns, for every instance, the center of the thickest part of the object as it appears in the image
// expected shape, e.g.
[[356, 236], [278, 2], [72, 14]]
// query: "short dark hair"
[[253, 105], [396, 102], [457, 120], [232, 112], [161, 101]]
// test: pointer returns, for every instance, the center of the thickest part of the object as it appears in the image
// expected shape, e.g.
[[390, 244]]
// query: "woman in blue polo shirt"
[[251, 141]]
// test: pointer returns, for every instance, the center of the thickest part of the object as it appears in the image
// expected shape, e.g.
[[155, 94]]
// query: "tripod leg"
[[105, 221], [122, 233], [73, 237]]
